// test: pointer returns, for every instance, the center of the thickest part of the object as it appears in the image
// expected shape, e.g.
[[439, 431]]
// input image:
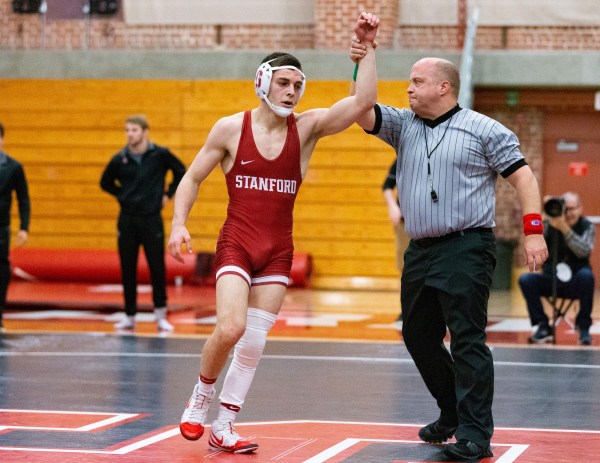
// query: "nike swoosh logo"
[[247, 162], [219, 441]]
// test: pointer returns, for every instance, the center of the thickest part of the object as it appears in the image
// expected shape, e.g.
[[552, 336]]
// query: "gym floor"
[[335, 384]]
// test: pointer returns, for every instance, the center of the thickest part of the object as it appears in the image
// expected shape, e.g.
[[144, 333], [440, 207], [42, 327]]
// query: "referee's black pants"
[[147, 231], [447, 284]]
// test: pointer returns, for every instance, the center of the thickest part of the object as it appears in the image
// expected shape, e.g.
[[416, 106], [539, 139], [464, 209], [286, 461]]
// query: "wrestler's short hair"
[[280, 58]]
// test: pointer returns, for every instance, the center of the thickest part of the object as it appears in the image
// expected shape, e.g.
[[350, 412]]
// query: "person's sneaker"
[[585, 338], [224, 437], [435, 433], [467, 450], [127, 324], [163, 325], [194, 415], [397, 325], [542, 334]]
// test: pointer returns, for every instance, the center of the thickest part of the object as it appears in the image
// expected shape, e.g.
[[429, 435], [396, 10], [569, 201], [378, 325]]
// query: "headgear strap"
[[264, 74]]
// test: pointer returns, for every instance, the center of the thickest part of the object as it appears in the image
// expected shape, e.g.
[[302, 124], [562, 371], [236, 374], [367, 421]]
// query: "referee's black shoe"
[[466, 450], [436, 433]]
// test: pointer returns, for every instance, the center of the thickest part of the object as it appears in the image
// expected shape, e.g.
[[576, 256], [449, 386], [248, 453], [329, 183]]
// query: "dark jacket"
[[139, 186], [12, 178], [557, 245]]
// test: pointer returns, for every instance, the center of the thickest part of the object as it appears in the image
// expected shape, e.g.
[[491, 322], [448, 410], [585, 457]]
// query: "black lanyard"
[[434, 195]]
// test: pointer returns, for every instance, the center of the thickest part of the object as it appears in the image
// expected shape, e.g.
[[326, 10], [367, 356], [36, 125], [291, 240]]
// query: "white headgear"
[[262, 83]]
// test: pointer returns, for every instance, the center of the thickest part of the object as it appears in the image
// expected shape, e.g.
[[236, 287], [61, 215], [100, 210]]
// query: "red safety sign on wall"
[[578, 168]]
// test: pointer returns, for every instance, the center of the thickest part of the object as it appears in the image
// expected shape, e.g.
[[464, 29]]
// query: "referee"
[[449, 159]]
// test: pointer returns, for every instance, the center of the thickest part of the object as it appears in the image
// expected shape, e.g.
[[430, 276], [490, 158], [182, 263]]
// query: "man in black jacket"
[[136, 177], [570, 238], [12, 178]]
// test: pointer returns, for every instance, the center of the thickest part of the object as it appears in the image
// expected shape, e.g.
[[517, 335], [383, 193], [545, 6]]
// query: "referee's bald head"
[[444, 70]]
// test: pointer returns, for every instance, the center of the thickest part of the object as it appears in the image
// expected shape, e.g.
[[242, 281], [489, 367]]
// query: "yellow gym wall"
[[65, 131]]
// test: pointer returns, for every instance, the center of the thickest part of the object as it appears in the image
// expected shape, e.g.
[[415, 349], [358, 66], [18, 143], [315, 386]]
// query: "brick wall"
[[554, 38], [527, 124], [30, 31], [333, 20], [436, 37]]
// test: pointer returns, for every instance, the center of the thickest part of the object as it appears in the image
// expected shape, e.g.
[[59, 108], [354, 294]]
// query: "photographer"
[[570, 239]]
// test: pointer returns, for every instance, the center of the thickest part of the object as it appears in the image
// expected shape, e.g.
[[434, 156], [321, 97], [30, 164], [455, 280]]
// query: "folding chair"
[[560, 308]]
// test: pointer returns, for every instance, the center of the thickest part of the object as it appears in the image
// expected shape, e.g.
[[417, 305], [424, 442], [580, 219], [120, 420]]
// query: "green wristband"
[[355, 72]]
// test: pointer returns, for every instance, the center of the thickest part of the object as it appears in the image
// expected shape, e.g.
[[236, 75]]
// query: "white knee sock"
[[246, 356]]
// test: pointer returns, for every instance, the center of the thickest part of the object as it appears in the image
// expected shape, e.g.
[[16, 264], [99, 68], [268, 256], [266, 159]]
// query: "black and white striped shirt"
[[467, 152]]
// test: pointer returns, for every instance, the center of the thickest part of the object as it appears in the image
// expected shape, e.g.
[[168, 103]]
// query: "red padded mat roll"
[[100, 266], [301, 270]]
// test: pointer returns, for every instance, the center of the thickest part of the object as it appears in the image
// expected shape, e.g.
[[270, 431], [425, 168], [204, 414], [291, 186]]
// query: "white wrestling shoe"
[[194, 415], [224, 437]]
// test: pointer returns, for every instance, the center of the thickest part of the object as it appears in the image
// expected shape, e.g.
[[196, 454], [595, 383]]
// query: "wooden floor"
[[315, 314], [335, 384]]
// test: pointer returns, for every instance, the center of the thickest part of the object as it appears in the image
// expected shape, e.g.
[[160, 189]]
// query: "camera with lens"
[[555, 206]]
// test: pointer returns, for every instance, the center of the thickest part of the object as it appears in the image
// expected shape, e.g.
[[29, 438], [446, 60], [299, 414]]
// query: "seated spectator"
[[570, 239]]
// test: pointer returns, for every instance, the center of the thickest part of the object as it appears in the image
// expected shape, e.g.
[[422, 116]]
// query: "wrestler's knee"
[[229, 332]]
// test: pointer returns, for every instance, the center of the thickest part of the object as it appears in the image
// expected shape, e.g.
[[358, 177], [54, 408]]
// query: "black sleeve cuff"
[[389, 184], [377, 125], [513, 168]]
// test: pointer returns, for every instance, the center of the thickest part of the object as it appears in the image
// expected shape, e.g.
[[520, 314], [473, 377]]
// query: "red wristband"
[[532, 224]]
